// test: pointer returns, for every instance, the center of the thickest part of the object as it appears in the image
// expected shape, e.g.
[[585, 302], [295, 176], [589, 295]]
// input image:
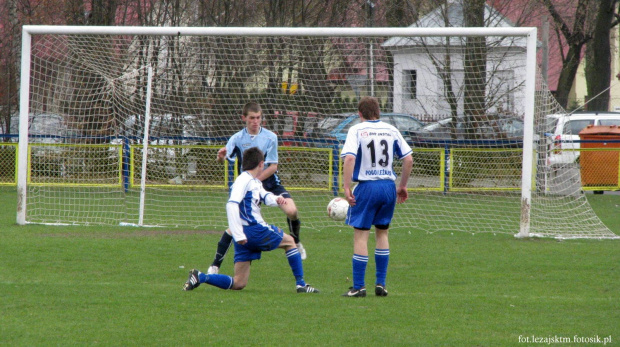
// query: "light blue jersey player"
[[267, 141], [369, 153], [251, 233], [254, 135]]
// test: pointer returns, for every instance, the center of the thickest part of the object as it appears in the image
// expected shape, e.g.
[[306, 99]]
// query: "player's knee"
[[381, 234], [287, 241], [286, 238], [238, 285], [291, 212]]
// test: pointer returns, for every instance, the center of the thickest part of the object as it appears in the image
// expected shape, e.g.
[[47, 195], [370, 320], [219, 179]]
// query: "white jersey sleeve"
[[240, 187], [234, 221], [238, 193], [268, 198]]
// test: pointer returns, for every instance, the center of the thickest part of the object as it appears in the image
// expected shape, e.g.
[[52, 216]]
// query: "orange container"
[[599, 168]]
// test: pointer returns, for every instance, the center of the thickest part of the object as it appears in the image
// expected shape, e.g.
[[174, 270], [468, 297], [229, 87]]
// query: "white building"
[[422, 66]]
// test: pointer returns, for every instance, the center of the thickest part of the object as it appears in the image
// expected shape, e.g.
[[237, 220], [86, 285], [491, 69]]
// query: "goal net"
[[121, 125]]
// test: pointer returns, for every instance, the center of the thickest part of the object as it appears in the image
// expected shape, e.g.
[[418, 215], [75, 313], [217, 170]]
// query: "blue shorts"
[[260, 239], [375, 202]]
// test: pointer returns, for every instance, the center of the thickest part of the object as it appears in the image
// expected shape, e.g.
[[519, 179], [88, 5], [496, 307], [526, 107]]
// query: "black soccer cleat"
[[355, 293], [380, 290], [192, 281], [307, 289]]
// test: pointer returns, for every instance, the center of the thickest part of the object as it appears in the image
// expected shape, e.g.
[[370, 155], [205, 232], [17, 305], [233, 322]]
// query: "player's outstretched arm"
[[271, 199], [268, 172]]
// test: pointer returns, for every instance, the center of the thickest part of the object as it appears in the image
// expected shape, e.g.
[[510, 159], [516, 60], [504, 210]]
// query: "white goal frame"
[[529, 33]]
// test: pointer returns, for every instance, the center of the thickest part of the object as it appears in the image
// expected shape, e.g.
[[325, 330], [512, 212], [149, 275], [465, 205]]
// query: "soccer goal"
[[121, 125]]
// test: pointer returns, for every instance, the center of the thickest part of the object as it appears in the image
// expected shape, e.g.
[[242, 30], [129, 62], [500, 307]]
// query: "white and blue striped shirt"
[[374, 144], [248, 193]]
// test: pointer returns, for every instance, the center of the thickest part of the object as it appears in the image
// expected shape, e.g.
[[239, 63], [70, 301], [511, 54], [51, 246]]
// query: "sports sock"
[[382, 258], [220, 281], [294, 260], [222, 248], [294, 226], [359, 270]]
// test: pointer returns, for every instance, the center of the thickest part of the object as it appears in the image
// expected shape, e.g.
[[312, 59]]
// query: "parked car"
[[564, 136], [335, 127], [495, 131], [291, 125], [169, 129]]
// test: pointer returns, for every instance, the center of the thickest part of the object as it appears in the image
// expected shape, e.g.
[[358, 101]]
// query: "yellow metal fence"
[[8, 164], [301, 168]]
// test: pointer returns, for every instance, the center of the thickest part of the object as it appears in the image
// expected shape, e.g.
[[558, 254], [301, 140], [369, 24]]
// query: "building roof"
[[451, 15]]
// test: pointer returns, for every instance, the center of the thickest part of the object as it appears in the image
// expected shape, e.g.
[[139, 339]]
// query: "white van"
[[564, 140]]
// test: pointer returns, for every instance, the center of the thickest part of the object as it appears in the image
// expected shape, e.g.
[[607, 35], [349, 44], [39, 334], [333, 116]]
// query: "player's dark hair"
[[251, 107], [251, 158], [369, 107]]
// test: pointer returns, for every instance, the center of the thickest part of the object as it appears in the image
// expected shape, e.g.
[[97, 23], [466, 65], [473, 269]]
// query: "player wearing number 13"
[[369, 152]]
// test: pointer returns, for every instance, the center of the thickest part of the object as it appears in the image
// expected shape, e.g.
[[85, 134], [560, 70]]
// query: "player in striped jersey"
[[251, 233], [369, 152]]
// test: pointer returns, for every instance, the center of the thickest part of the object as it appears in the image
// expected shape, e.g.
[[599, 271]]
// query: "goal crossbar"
[[276, 31]]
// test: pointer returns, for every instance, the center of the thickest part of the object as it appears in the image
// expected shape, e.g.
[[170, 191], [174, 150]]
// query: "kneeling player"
[[251, 234]]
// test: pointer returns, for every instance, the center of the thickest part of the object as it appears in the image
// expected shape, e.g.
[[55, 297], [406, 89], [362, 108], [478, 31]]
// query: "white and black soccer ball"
[[337, 209]]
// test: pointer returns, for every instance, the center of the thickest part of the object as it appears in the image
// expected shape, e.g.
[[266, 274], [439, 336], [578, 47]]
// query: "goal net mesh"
[[88, 107]]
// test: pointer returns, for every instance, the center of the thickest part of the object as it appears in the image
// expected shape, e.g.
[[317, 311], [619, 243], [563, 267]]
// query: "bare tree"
[[575, 38], [9, 63], [225, 74], [598, 56], [475, 65], [103, 12]]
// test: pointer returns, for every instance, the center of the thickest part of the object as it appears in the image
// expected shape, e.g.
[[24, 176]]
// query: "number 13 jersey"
[[374, 144]]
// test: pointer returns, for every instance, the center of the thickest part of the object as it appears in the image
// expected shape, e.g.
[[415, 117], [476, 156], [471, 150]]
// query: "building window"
[[411, 84]]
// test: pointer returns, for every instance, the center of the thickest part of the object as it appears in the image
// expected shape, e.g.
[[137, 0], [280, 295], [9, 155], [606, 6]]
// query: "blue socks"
[[359, 270], [220, 281], [294, 260], [226, 282], [382, 258]]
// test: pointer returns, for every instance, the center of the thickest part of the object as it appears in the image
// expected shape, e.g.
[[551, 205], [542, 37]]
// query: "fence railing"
[[310, 165]]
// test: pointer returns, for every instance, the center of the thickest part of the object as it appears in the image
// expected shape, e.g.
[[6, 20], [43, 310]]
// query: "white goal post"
[[87, 88]]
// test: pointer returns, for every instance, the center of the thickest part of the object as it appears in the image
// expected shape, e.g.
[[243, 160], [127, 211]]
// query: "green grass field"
[[122, 286]]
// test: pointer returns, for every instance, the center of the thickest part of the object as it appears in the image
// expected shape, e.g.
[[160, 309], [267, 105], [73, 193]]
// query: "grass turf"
[[71, 285]]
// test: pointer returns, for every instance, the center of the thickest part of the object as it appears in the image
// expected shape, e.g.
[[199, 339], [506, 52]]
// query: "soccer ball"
[[337, 209]]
